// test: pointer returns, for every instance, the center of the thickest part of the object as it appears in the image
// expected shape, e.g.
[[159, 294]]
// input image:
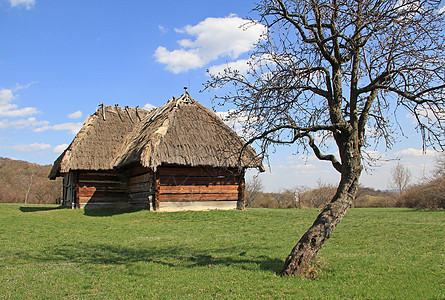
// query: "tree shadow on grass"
[[172, 256], [39, 208]]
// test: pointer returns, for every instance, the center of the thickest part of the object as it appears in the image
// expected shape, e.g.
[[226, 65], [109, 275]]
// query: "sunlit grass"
[[374, 253]]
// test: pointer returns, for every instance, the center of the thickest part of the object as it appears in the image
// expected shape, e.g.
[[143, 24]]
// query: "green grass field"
[[47, 252]]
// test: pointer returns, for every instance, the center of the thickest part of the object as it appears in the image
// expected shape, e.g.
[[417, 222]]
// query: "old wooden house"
[[180, 156]]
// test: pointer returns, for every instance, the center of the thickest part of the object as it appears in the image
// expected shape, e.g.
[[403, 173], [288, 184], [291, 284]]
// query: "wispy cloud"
[[415, 152], [8, 108], [75, 115], [244, 65], [71, 127], [60, 148], [214, 37], [241, 65], [27, 4], [162, 29], [148, 106], [31, 147], [22, 123]]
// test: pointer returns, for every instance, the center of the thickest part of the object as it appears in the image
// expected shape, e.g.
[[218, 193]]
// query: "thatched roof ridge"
[[97, 144], [183, 132]]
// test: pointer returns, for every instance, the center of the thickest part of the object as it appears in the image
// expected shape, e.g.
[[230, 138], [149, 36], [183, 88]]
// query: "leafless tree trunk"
[[328, 76], [29, 189]]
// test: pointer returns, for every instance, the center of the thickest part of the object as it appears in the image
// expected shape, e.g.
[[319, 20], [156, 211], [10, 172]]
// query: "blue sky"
[[60, 59]]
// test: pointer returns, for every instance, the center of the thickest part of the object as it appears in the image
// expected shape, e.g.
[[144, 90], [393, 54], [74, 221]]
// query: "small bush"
[[318, 197], [430, 195]]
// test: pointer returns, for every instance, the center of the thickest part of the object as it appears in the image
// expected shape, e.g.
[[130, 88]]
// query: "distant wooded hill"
[[24, 182]]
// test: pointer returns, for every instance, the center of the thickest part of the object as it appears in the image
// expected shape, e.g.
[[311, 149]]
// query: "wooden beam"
[[197, 197], [198, 189], [176, 180]]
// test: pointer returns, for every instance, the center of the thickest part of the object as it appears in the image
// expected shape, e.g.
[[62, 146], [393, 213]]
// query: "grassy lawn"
[[47, 252]]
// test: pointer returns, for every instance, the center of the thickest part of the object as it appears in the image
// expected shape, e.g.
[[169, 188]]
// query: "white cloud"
[[75, 115], [162, 29], [149, 106], [236, 121], [28, 4], [22, 123], [241, 65], [31, 147], [60, 148], [72, 127], [303, 167], [441, 10], [415, 152], [214, 37], [8, 109]]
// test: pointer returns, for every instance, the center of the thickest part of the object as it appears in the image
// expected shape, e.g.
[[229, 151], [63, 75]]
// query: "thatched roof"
[[97, 144], [183, 132]]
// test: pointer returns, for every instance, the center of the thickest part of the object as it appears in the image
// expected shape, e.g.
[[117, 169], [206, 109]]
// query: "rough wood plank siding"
[[203, 186], [198, 205], [140, 184], [101, 187]]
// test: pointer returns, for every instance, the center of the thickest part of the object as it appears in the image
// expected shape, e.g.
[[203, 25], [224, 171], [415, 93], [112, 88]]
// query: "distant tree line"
[[429, 193], [24, 182], [318, 197]]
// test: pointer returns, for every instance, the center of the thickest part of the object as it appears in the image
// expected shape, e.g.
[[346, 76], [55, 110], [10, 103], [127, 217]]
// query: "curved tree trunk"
[[307, 247]]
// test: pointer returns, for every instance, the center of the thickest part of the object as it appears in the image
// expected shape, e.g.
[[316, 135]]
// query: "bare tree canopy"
[[254, 187], [400, 178], [338, 71]]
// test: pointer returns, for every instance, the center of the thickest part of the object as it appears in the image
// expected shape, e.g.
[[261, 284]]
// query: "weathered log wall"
[[140, 187], [98, 189], [202, 187], [169, 189]]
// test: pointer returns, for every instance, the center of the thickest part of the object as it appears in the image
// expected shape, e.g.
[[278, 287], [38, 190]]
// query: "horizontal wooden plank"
[[141, 185], [197, 197], [198, 189], [140, 195], [101, 189], [139, 200], [169, 180], [141, 178], [197, 205], [102, 199], [196, 171], [91, 193], [138, 170], [135, 191], [98, 173], [107, 177], [101, 184]]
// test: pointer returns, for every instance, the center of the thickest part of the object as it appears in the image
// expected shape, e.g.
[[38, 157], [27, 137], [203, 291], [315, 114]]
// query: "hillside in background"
[[21, 182]]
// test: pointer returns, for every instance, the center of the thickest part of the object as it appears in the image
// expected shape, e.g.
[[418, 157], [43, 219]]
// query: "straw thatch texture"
[[97, 144], [183, 132]]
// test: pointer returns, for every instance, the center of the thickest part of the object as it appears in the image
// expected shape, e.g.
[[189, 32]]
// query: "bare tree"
[[400, 178], [333, 72], [439, 170], [254, 186], [29, 187]]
